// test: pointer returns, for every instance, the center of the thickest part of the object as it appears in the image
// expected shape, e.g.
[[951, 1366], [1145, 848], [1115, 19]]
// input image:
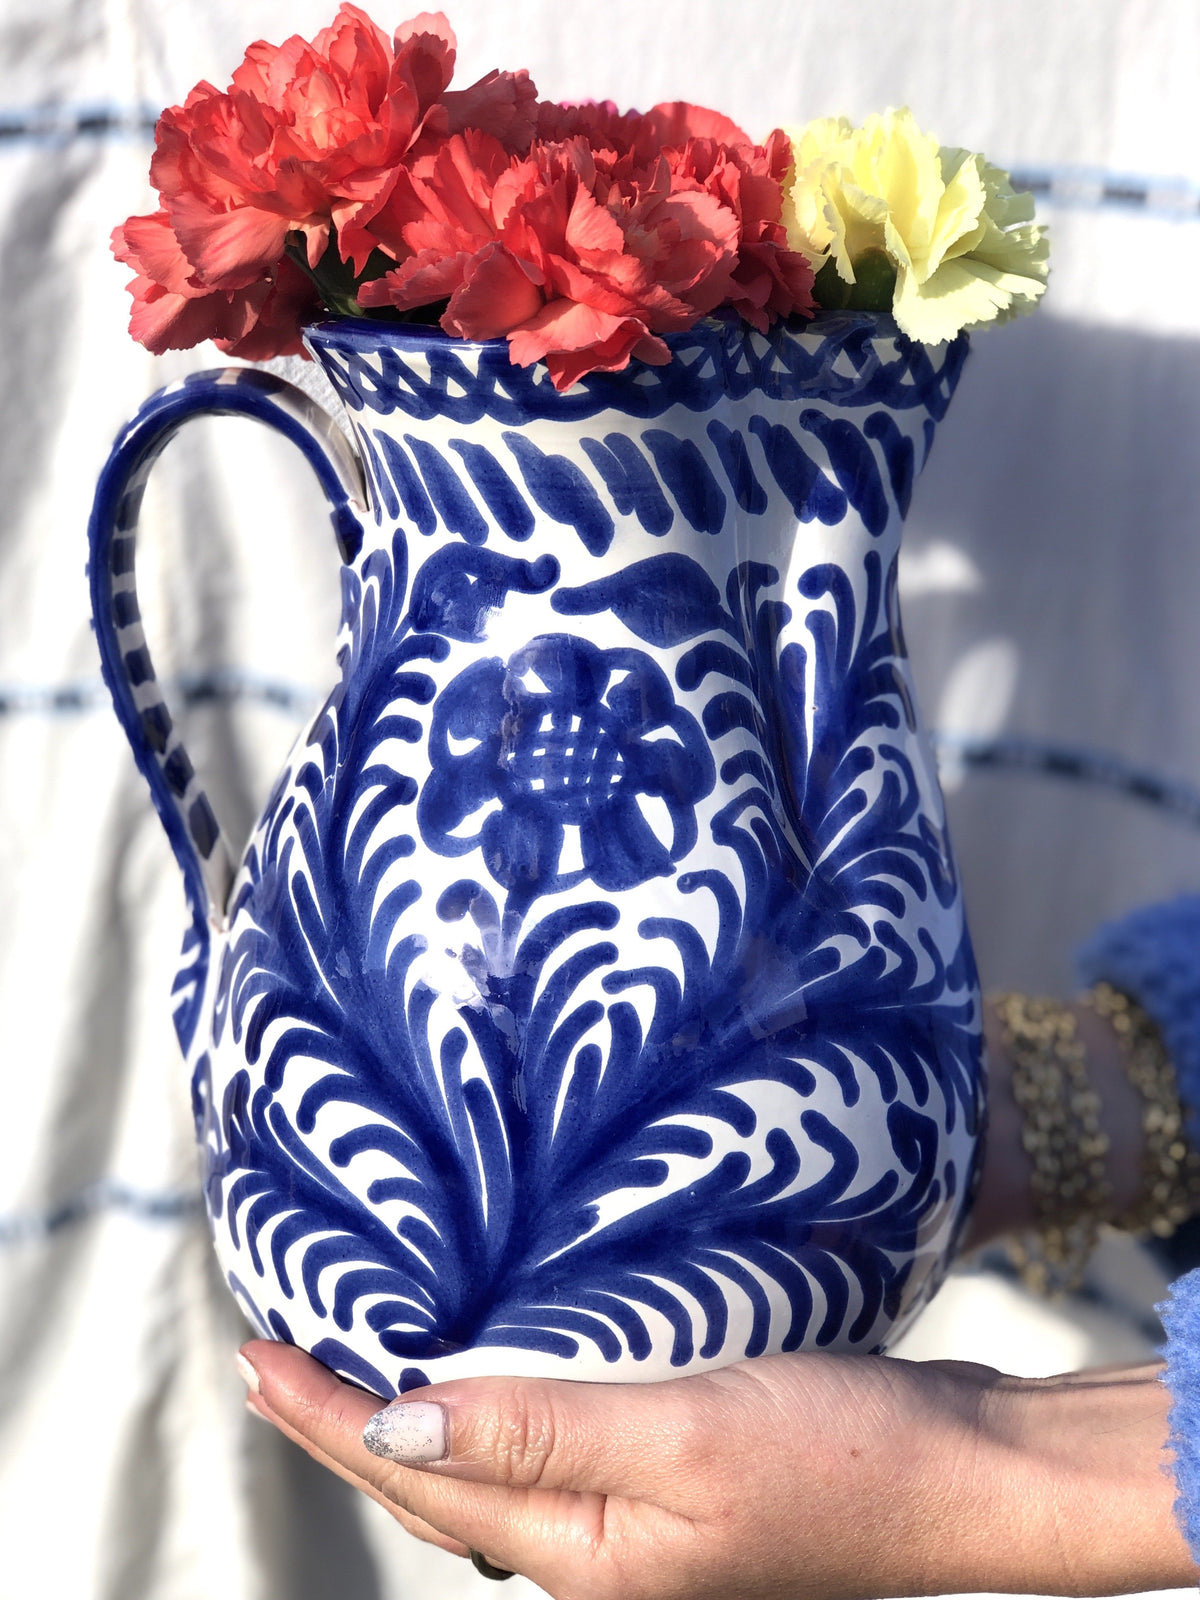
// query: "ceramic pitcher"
[[593, 997]]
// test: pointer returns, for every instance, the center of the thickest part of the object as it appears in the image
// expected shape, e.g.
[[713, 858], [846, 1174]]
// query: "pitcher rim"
[[367, 332]]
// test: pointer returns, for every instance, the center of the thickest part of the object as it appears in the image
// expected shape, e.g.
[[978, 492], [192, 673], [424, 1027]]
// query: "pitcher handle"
[[183, 807]]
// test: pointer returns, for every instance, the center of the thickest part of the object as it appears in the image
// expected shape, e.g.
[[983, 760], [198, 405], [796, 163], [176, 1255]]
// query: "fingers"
[[511, 1529], [511, 1455], [628, 1440], [622, 1439], [314, 1406], [414, 1525]]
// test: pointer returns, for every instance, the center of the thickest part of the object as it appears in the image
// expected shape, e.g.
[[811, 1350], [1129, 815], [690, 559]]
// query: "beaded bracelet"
[[1067, 1148], [1062, 1136], [1170, 1187]]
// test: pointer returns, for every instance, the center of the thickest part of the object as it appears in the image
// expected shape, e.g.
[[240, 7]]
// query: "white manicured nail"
[[412, 1432], [249, 1376]]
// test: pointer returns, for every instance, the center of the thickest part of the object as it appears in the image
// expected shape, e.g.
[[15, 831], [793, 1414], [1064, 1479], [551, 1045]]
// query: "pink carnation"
[[641, 134], [770, 280], [173, 310], [580, 233], [305, 136], [306, 142], [584, 252], [548, 251]]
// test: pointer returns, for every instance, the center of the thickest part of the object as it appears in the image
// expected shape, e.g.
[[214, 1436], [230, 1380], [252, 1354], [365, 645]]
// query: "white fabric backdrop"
[[1050, 589]]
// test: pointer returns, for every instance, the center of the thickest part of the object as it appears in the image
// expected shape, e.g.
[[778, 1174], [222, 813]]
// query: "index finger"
[[534, 1531]]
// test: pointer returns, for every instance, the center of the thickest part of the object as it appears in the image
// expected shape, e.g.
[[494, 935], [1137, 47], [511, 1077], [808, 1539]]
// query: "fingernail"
[[411, 1431], [249, 1376]]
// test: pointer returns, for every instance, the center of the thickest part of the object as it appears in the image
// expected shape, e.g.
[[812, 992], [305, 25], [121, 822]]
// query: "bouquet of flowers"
[[344, 176]]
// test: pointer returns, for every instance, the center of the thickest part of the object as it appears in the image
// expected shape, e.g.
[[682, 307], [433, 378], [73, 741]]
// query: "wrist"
[[1004, 1204], [1076, 1473]]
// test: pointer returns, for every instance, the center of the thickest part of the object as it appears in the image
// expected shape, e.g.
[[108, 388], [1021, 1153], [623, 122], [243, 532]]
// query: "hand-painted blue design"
[[869, 855], [561, 490], [125, 662], [854, 466], [457, 510], [809, 491], [686, 473], [735, 458], [718, 359], [665, 600], [563, 735], [502, 1247], [629, 479], [500, 494], [599, 841], [187, 989], [455, 591], [898, 453], [383, 483], [503, 1195], [417, 506]]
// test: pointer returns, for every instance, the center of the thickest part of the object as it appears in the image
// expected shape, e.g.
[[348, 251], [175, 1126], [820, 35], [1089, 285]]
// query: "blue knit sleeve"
[[1154, 955], [1181, 1319]]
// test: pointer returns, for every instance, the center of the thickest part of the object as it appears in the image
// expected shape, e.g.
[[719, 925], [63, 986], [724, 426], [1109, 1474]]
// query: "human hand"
[[830, 1476]]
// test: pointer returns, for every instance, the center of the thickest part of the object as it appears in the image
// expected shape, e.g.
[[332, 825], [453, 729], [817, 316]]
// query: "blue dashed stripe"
[[56, 125], [155, 1206], [219, 686], [1092, 189], [1038, 757], [1091, 768], [1066, 187]]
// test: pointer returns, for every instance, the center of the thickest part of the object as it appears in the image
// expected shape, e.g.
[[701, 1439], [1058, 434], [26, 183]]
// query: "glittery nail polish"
[[411, 1431]]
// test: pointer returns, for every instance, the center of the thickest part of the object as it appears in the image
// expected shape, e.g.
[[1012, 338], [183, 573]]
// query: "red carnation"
[[580, 233], [173, 310]]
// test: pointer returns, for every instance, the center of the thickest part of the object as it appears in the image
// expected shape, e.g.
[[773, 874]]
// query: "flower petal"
[[963, 293], [502, 104], [149, 246], [962, 243], [422, 280], [674, 122], [575, 339], [496, 296], [228, 249]]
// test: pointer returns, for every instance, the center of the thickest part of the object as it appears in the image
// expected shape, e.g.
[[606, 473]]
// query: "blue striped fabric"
[[1063, 187], [171, 1206]]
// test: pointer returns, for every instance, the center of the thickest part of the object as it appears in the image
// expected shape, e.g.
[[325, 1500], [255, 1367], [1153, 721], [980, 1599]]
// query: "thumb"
[[637, 1441]]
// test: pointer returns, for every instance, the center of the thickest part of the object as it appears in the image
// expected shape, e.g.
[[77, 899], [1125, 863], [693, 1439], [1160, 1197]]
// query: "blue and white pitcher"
[[593, 997]]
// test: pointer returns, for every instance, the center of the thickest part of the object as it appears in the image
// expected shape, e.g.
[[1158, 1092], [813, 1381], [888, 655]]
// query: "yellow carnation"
[[936, 235]]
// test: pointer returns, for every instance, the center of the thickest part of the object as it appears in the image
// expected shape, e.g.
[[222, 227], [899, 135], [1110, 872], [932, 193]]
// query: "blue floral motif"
[[564, 735]]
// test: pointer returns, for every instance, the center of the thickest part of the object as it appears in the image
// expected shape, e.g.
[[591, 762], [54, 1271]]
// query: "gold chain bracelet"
[[1066, 1145], [1170, 1188], [1062, 1136]]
